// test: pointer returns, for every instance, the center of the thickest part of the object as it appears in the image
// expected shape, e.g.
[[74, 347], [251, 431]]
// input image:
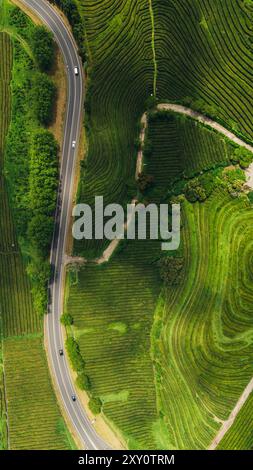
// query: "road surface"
[[59, 366], [62, 377]]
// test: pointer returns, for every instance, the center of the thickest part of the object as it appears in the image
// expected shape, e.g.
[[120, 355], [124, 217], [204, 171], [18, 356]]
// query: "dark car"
[[61, 352], [73, 398]]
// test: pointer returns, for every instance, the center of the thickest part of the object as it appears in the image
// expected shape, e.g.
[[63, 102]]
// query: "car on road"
[[76, 70], [73, 397], [61, 352], [73, 144]]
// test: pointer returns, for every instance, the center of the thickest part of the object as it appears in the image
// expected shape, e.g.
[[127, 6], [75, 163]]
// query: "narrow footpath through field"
[[179, 109]]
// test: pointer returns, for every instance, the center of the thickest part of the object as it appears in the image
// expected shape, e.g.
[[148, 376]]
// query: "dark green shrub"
[[44, 98], [67, 319], [74, 354], [43, 48], [95, 405], [83, 382]]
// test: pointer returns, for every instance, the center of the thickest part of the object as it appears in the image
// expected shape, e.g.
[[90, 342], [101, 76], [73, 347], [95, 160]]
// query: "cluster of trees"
[[18, 18], [78, 364], [199, 189], [31, 152], [43, 183], [145, 182], [43, 48], [234, 180], [67, 319], [43, 173], [171, 270], [95, 405], [44, 98], [70, 9], [242, 156], [41, 200], [75, 356]]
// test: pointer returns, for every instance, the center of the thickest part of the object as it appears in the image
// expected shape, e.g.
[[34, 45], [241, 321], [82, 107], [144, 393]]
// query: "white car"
[[76, 70], [73, 144]]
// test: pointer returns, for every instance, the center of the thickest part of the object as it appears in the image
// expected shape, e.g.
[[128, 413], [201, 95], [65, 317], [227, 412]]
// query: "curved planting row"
[[113, 306], [121, 78], [202, 335], [180, 147], [204, 55], [206, 361]]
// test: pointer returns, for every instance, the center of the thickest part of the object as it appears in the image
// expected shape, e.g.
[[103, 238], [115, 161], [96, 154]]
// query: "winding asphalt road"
[[59, 366]]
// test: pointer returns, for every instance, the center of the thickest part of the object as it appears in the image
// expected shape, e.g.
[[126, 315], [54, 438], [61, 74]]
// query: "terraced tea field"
[[121, 70], [204, 57], [181, 147], [240, 435], [204, 348], [199, 325], [34, 419]]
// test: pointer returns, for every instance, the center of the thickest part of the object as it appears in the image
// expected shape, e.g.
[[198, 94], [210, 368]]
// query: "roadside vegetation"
[[31, 153], [70, 9], [28, 178]]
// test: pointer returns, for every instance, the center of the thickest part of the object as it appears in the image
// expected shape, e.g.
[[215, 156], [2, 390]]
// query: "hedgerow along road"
[[80, 422], [60, 368]]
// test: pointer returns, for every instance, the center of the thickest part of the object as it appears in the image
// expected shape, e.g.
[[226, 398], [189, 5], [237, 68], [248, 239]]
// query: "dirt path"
[[177, 108], [228, 423], [139, 164], [114, 244]]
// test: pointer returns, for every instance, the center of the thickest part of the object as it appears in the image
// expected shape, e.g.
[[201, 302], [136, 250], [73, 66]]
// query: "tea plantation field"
[[34, 418], [113, 307], [28, 403], [203, 329], [240, 435], [204, 57], [199, 326], [121, 70]]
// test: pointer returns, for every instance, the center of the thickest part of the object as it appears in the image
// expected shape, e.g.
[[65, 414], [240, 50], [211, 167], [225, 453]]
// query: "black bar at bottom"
[[111, 459]]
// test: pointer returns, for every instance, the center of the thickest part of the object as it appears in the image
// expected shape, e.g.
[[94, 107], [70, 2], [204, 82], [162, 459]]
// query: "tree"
[[95, 405], [70, 8], [242, 156], [40, 231], [83, 382], [43, 178], [67, 319], [145, 182], [43, 48], [45, 95], [74, 354], [171, 270]]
